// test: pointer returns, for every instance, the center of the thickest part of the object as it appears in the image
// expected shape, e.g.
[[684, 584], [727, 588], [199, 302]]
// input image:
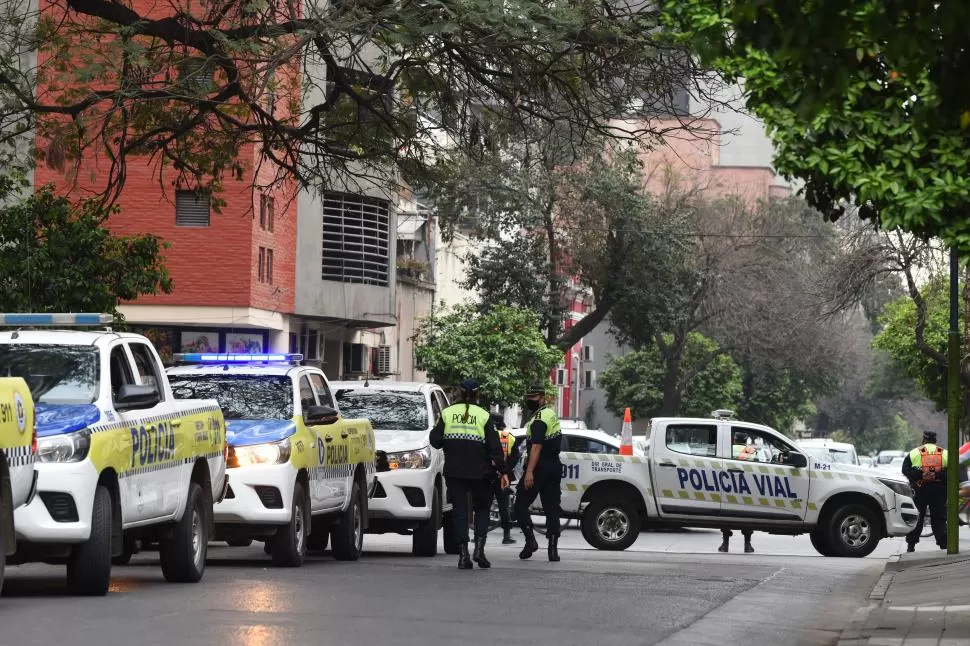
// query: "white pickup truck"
[[722, 473]]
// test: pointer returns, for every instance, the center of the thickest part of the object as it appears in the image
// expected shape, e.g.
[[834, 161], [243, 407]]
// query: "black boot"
[[507, 537], [724, 545], [748, 547], [553, 547], [479, 554], [464, 561], [531, 546]]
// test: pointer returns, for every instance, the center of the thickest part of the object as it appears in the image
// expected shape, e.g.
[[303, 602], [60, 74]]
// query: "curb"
[[882, 585], [852, 634]]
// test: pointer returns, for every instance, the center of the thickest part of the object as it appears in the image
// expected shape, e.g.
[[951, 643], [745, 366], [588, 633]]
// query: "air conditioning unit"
[[356, 358], [561, 377], [589, 379], [382, 360], [587, 353]]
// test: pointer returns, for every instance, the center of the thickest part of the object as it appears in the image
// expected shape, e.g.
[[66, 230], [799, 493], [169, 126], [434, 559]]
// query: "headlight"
[[69, 447], [902, 488], [268, 453], [419, 459]]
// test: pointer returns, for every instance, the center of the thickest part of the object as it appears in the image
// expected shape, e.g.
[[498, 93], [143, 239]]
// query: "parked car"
[[827, 450]]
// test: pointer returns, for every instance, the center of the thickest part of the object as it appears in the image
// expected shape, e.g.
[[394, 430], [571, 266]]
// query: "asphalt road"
[[669, 588]]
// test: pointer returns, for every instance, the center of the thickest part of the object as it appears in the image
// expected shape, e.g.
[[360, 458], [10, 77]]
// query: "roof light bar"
[[62, 319], [207, 357]]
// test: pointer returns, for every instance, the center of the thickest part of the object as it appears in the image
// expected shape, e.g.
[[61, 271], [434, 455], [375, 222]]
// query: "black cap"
[[535, 389], [469, 385], [929, 436], [497, 420]]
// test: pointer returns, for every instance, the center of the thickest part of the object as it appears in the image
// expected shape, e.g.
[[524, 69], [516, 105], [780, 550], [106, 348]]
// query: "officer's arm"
[[494, 444], [909, 471], [437, 437], [538, 436]]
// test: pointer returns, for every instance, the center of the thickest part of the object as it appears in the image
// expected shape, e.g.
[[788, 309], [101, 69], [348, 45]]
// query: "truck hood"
[[54, 419], [395, 441], [243, 432], [866, 471]]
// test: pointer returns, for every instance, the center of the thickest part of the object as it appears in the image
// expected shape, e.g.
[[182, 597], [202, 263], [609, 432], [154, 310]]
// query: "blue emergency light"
[[207, 357], [62, 319]]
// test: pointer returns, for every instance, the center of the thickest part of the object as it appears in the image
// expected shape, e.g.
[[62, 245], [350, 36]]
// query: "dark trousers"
[[546, 488], [460, 490], [933, 497], [502, 498], [727, 533]]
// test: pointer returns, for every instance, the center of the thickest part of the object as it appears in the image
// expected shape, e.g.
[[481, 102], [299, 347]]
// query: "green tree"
[[865, 100], [705, 379], [57, 257], [502, 348]]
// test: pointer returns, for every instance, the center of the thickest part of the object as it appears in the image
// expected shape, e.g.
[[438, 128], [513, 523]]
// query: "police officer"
[[473, 454], [543, 471], [502, 494], [925, 466]]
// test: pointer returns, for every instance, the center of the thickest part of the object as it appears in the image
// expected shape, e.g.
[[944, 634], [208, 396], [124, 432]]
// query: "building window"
[[261, 264], [192, 208], [267, 215], [356, 239], [269, 266]]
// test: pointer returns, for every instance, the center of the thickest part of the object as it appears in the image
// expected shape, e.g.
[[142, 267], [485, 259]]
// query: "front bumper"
[[259, 494], [901, 518], [403, 494], [60, 512]]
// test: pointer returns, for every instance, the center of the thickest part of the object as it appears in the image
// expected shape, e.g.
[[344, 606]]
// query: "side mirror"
[[133, 397], [797, 460], [319, 415]]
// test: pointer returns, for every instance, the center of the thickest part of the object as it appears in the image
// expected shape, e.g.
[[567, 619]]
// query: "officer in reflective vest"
[[502, 494], [543, 472], [473, 455], [925, 466]]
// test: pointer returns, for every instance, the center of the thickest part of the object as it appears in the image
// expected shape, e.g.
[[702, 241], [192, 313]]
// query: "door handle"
[[344, 434], [666, 463], [328, 438], [736, 470]]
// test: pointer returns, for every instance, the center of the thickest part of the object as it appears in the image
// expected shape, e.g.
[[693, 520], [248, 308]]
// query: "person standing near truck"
[[925, 466], [502, 494], [543, 473]]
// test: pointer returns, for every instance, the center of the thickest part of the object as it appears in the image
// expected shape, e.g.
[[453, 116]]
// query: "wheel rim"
[[612, 524], [299, 527], [358, 528], [198, 538], [855, 530]]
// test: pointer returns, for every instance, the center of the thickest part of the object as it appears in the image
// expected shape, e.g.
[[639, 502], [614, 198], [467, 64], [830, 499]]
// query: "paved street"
[[670, 588]]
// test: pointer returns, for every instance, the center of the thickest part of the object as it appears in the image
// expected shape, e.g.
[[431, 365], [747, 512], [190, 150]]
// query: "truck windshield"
[[387, 410], [835, 456], [55, 374], [239, 396]]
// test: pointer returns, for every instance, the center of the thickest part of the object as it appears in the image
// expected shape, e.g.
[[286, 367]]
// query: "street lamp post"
[[953, 409]]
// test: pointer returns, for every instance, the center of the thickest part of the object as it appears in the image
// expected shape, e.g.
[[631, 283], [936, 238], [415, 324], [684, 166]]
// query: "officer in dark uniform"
[[543, 472], [473, 455], [925, 466], [502, 494]]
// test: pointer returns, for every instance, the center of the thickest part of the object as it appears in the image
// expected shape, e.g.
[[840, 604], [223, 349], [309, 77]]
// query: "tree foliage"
[[706, 380], [865, 100], [325, 91], [56, 257], [503, 349]]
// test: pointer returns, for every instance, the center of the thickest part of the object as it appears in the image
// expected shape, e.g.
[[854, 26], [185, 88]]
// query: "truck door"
[[685, 467], [759, 485]]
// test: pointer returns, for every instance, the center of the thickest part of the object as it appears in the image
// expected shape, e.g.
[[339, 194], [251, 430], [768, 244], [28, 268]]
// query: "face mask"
[[531, 405]]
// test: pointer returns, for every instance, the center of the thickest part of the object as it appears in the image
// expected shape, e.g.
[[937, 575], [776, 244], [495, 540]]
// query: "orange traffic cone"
[[626, 435]]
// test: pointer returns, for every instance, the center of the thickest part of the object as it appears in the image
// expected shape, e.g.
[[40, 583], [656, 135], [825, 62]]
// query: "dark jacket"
[[470, 459]]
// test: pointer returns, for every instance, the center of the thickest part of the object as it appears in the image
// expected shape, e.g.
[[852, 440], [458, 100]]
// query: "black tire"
[[183, 555], [289, 544], [240, 542], [89, 565], [347, 536], [424, 539], [3, 542], [447, 538], [852, 531], [821, 543], [611, 524], [129, 550]]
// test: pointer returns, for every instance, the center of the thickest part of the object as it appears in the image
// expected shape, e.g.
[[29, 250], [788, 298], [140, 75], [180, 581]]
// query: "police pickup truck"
[[118, 457], [18, 479], [722, 473]]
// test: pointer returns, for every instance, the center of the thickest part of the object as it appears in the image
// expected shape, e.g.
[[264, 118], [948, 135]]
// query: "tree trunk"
[[586, 324], [672, 355]]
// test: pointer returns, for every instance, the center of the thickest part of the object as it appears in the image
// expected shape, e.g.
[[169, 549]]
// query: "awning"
[[409, 227]]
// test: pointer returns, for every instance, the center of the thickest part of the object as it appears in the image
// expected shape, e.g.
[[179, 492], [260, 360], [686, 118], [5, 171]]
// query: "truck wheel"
[[240, 542], [853, 531], [183, 555], [821, 543], [347, 536], [129, 550], [3, 542], [610, 524], [289, 544], [89, 565], [424, 540], [447, 538]]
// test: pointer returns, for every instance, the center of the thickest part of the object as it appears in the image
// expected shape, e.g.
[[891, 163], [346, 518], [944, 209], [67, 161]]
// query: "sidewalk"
[[922, 598]]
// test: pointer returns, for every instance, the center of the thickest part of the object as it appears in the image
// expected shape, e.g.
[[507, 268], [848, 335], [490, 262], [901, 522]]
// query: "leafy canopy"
[[865, 100], [502, 349]]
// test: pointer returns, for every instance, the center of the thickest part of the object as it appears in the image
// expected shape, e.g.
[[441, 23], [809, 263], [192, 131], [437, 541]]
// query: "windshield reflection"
[[55, 374], [386, 410], [239, 396], [831, 455]]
